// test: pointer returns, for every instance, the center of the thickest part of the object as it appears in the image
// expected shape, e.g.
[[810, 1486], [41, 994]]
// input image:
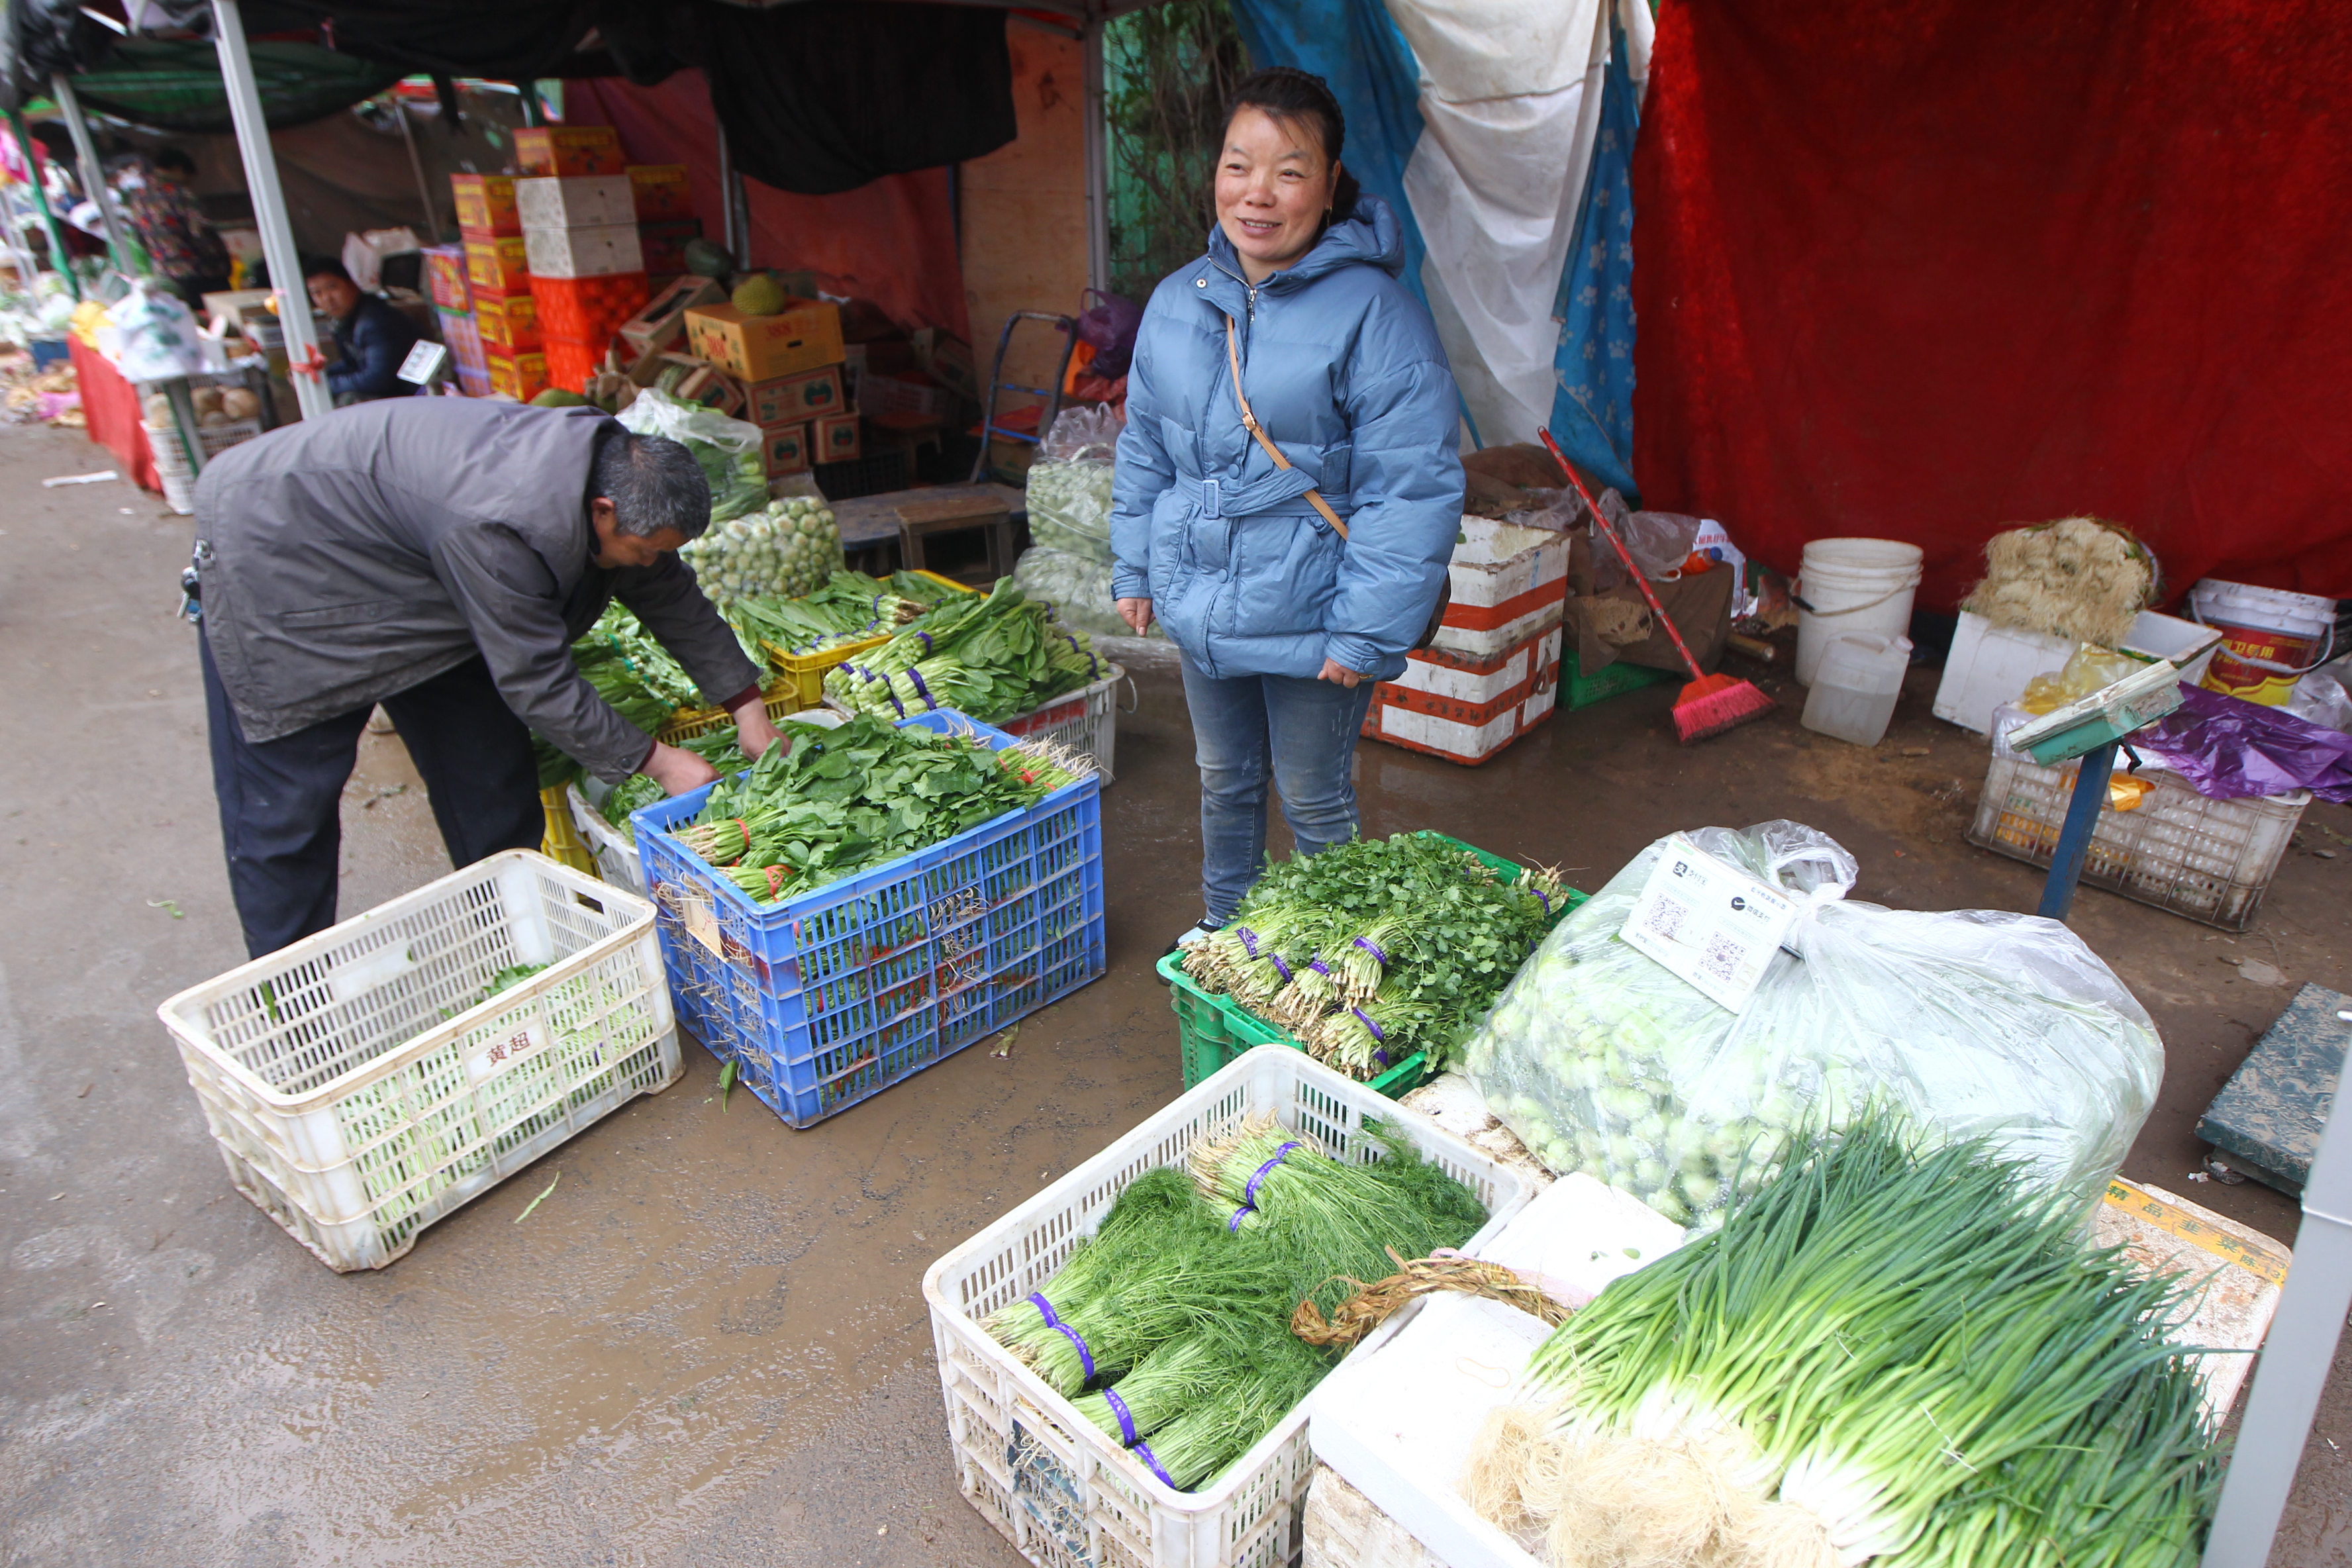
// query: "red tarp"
[[110, 406], [1927, 269], [892, 241]]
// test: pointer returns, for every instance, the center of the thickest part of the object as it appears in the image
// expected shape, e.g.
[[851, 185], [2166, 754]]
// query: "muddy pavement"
[[708, 1343]]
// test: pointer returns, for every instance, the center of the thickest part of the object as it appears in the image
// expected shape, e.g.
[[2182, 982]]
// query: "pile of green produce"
[[1894, 1353], [788, 550], [850, 607], [1603, 1061], [715, 747], [1169, 1330], [990, 657], [1377, 948], [633, 672], [842, 800]]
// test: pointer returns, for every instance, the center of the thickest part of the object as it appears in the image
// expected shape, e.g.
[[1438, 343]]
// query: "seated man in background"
[[372, 335]]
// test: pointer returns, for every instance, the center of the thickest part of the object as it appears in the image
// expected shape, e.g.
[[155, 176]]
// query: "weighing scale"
[[2092, 729]]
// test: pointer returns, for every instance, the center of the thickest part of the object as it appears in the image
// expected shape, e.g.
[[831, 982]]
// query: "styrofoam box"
[[1066, 1495], [1484, 682], [1507, 580], [597, 252], [358, 1089], [1461, 742], [1397, 1423], [575, 201], [1990, 665]]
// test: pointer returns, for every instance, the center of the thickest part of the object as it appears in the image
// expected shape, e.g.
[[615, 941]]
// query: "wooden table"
[[868, 520]]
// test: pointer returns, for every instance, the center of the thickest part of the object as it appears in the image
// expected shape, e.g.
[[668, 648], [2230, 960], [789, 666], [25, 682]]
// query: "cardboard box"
[[520, 376], [599, 251], [787, 449], [462, 335], [663, 320], [509, 323], [812, 395], [569, 150], [834, 440], [574, 201], [701, 383], [661, 191], [498, 266], [486, 204], [587, 310], [664, 242], [806, 335], [444, 277], [571, 363], [902, 394], [947, 359]]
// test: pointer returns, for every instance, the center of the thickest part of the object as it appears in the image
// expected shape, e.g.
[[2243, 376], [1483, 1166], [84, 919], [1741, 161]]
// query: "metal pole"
[[2074, 838], [2296, 1355], [726, 190], [268, 204], [93, 178], [58, 256], [1097, 157], [417, 167]]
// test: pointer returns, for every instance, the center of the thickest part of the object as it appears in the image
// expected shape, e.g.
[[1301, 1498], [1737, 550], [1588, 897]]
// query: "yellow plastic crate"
[[561, 843], [784, 700], [807, 671]]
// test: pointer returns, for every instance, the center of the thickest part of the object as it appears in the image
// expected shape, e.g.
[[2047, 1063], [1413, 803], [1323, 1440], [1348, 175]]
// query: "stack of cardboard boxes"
[[666, 220], [453, 302], [789, 367], [497, 281], [578, 213]]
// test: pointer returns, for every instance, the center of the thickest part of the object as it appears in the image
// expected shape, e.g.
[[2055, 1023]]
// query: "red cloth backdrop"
[[110, 407], [1927, 269], [893, 241]]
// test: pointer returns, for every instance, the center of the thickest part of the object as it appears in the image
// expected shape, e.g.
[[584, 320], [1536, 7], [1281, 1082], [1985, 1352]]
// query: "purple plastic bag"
[[2229, 749], [1111, 326]]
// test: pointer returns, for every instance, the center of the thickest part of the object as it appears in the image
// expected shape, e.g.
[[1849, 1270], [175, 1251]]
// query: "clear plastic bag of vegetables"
[[1069, 484], [1076, 587], [727, 449], [1974, 1021]]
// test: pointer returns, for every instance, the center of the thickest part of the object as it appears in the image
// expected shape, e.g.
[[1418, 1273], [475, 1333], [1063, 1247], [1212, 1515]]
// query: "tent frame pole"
[[93, 178], [1097, 153], [58, 257], [735, 224], [417, 167], [286, 279]]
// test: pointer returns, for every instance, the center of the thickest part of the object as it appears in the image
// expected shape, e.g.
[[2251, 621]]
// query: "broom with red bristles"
[[1710, 704]]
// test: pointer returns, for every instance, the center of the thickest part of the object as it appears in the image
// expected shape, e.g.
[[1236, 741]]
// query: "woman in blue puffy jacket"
[[1285, 622]]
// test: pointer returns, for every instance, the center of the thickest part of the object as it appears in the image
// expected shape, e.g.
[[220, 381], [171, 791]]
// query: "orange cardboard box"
[[498, 266], [806, 335], [836, 440], [812, 395], [520, 376], [509, 323], [486, 204], [569, 150], [787, 447], [661, 191], [444, 276]]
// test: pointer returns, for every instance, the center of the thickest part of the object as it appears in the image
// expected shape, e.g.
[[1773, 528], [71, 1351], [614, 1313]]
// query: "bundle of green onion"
[[990, 657], [1169, 1329], [1889, 1354], [1377, 948]]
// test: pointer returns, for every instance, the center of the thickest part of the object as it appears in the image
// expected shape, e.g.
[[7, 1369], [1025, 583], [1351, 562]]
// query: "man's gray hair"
[[654, 483]]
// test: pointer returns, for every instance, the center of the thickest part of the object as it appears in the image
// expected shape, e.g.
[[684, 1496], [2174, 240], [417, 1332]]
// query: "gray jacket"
[[348, 558]]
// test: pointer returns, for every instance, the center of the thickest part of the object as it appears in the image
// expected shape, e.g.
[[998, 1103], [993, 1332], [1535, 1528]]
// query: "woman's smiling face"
[[1273, 185]]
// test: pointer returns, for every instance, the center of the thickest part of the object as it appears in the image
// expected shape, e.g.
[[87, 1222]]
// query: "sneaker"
[[1195, 934]]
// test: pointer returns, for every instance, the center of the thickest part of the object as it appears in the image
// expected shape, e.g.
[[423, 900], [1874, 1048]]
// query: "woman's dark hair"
[[654, 483], [1285, 93]]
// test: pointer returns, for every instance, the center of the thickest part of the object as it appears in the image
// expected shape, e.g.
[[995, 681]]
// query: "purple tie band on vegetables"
[[1126, 1418], [1144, 1450]]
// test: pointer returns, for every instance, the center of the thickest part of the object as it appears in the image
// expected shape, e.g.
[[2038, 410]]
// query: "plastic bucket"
[[1852, 585], [2269, 637]]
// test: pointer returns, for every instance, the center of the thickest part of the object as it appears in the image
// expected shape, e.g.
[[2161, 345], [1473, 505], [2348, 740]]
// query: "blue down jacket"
[[1344, 370]]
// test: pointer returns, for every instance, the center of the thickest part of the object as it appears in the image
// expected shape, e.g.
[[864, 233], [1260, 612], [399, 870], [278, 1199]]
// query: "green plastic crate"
[[1582, 691], [1212, 1030]]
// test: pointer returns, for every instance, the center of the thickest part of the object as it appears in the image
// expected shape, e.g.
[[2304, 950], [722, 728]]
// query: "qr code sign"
[[1665, 919], [1720, 961]]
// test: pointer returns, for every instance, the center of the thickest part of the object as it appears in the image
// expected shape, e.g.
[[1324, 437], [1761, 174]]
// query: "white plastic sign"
[[1711, 924]]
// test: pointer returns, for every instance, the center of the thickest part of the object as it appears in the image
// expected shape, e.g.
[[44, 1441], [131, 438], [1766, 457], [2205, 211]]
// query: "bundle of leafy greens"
[[1893, 1352], [989, 657], [1170, 1328], [850, 607], [1377, 948], [841, 800], [715, 747]]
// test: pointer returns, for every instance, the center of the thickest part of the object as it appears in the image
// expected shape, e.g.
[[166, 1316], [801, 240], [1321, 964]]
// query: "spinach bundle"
[[850, 607], [990, 657]]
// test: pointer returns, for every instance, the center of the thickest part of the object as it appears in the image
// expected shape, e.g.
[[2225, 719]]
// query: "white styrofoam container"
[[1397, 1423], [1466, 742], [1990, 665], [597, 251], [1062, 1492], [574, 201], [1484, 683], [1508, 583], [358, 1093], [1085, 719]]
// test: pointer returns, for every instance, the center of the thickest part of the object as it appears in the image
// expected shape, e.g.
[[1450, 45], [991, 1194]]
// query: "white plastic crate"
[[1085, 719], [359, 1094], [2210, 860], [1989, 665], [617, 857], [1066, 1495]]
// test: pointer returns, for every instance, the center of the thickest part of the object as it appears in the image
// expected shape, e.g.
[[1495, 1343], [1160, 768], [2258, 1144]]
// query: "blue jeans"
[[1250, 728]]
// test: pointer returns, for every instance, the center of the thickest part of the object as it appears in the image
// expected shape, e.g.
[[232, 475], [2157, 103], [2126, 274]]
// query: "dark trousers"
[[281, 801]]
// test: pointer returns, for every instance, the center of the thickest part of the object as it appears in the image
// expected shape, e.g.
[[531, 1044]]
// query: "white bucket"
[[1852, 585], [2270, 638]]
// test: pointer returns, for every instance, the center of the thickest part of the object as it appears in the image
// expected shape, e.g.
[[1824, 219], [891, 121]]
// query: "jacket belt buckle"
[[1211, 505]]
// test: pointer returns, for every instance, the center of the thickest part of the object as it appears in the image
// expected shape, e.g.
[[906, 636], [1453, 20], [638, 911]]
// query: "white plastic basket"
[[1085, 719], [2210, 860], [1066, 1495], [617, 857], [359, 1092]]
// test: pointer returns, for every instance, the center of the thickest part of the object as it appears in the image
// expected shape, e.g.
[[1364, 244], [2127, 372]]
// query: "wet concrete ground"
[[707, 1343]]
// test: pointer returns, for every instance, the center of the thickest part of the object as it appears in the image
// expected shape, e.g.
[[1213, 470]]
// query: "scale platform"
[[2269, 1116]]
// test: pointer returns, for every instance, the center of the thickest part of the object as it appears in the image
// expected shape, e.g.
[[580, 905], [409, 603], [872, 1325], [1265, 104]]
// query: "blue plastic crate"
[[824, 999]]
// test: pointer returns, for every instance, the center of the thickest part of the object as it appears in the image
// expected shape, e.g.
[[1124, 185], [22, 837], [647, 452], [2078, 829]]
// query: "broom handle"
[[1623, 554]]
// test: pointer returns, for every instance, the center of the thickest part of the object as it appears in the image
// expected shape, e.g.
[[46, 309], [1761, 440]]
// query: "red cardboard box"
[[834, 440], [509, 323], [444, 277], [664, 242], [498, 266], [787, 449], [570, 362], [569, 150], [486, 204], [661, 191], [588, 310], [812, 395]]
